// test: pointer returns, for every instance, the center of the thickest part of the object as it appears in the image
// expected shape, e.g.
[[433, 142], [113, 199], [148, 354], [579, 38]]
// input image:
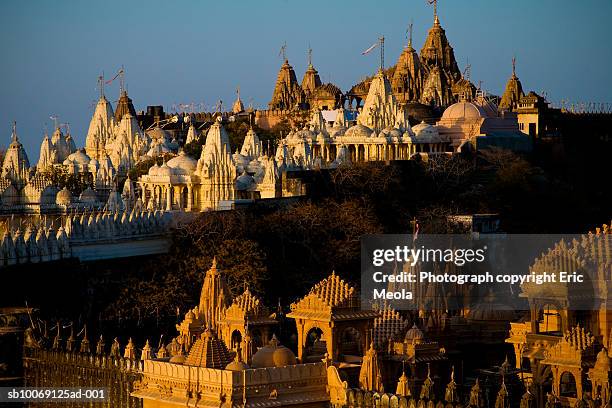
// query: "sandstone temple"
[[226, 350]]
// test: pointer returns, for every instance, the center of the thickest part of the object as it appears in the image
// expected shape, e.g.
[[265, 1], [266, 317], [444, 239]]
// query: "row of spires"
[[46, 244]]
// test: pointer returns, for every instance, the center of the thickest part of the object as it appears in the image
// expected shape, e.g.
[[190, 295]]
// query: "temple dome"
[[153, 170], [464, 110], [273, 355], [164, 170], [77, 157], [237, 365], [182, 164], [414, 335], [64, 197], [491, 310], [358, 131], [88, 196], [426, 133]]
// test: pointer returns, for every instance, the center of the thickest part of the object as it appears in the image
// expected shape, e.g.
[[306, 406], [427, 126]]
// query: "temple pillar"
[[189, 197], [169, 197]]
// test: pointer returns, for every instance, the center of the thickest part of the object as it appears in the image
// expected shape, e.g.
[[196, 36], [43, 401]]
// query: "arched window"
[[567, 386], [236, 339]]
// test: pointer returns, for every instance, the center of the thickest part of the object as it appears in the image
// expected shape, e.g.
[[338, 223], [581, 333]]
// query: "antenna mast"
[[468, 70], [121, 79], [101, 84], [54, 118], [14, 133], [435, 7], [382, 53], [410, 34]]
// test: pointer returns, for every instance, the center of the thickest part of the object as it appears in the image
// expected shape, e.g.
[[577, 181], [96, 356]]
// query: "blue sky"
[[200, 51]]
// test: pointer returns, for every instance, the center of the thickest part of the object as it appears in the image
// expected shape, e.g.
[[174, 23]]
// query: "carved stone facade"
[[217, 177], [565, 342], [431, 78]]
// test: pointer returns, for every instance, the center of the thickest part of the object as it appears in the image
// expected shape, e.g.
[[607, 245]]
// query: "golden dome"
[[273, 355]]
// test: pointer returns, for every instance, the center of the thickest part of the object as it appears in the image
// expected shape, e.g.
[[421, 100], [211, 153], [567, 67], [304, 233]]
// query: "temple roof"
[[513, 93], [16, 163], [249, 307], [124, 105], [100, 128], [407, 79], [388, 325], [287, 91], [215, 295], [331, 299], [208, 351], [381, 109], [327, 89], [311, 80], [238, 106], [437, 51]]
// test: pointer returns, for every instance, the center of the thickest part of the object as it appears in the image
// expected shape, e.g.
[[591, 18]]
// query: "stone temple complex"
[[429, 78], [382, 132], [226, 351], [421, 107]]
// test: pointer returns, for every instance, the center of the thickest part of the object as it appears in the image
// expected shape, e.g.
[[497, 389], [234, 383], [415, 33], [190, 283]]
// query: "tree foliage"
[[76, 183]]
